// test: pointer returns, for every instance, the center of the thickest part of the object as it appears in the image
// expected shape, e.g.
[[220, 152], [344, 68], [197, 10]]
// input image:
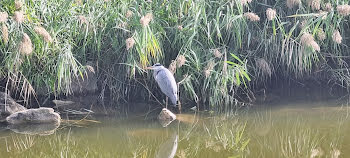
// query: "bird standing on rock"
[[166, 82]]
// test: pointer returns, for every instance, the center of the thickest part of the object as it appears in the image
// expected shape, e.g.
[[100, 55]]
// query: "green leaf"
[[236, 57]]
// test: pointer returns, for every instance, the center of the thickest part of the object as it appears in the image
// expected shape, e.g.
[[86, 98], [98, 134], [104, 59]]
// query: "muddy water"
[[306, 129]]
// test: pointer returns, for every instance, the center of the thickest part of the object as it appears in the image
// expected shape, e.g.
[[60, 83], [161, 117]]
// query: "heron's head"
[[156, 66]]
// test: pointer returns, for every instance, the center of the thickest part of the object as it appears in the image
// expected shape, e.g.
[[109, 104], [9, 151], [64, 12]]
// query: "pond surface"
[[308, 129]]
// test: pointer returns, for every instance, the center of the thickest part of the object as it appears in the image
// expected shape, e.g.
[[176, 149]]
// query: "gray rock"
[[40, 115], [34, 129], [165, 117], [8, 106]]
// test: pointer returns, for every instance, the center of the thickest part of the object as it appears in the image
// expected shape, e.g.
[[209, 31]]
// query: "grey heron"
[[166, 81]]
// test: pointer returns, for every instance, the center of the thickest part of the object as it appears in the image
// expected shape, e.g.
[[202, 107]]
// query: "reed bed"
[[214, 47]]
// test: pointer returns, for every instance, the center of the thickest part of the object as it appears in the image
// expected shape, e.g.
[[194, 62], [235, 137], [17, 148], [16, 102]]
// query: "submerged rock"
[[8, 106], [40, 115], [34, 129], [165, 117]]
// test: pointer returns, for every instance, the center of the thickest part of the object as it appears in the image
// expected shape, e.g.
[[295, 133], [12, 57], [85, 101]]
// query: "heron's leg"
[[166, 103]]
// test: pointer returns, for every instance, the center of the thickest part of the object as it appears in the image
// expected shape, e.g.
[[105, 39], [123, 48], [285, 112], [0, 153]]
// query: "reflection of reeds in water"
[[297, 132], [20, 143]]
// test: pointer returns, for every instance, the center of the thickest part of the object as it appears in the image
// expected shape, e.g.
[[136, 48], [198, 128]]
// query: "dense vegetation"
[[214, 48]]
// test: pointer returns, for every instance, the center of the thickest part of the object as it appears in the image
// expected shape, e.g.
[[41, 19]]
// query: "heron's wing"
[[166, 82]]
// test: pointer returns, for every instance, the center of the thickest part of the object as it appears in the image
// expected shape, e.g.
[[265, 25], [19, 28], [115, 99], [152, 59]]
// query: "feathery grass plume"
[[270, 13], [245, 2], [181, 60], [343, 9], [179, 27], [18, 16], [217, 53], [83, 20], [123, 24], [315, 4], [292, 3], [79, 2], [90, 68], [3, 17], [146, 19], [302, 23], [328, 7], [129, 43], [25, 47], [208, 69], [5, 33], [307, 40], [172, 67], [337, 37], [128, 14], [315, 46], [43, 33], [322, 14], [251, 16], [321, 35], [263, 66], [18, 5]]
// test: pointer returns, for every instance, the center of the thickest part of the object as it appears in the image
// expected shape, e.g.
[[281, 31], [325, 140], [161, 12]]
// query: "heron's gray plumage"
[[166, 82]]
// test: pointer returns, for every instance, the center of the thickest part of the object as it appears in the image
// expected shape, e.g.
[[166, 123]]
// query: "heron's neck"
[[155, 73]]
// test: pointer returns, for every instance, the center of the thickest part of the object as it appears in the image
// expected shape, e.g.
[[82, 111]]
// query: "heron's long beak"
[[149, 68]]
